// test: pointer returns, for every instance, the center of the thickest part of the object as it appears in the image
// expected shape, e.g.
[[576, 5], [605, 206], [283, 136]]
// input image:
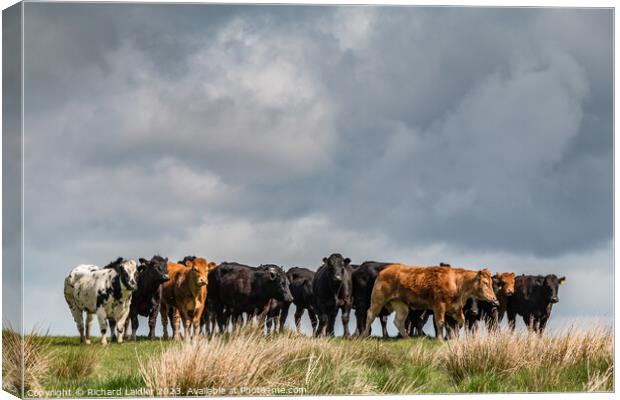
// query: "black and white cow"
[[105, 292]]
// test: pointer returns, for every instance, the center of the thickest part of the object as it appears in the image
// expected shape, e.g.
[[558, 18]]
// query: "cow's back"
[[363, 279], [420, 287], [300, 285], [89, 287], [234, 283]]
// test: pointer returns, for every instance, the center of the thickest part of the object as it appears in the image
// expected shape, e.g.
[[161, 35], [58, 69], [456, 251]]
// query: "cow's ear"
[[142, 260], [141, 267], [562, 280], [212, 265], [347, 261], [325, 260], [272, 275], [539, 281]]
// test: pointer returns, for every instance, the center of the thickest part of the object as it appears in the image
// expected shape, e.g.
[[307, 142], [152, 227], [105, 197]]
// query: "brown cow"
[[506, 283], [186, 293], [441, 289]]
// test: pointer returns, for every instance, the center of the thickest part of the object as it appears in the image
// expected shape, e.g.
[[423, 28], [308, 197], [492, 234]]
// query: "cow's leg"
[[360, 318], [204, 322], [187, 328], [298, 313], [182, 316], [179, 317], [384, 320], [163, 312], [135, 324], [314, 320], [197, 317], [512, 316], [322, 324], [331, 322], [213, 320], [542, 323], [122, 313], [222, 319], [112, 323], [527, 319], [89, 324], [371, 314], [439, 312], [103, 325], [402, 311], [126, 330], [152, 322], [421, 316], [409, 323], [284, 315], [78, 317], [346, 311], [176, 320]]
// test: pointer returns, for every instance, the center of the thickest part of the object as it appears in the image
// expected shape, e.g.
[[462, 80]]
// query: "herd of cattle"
[[208, 298]]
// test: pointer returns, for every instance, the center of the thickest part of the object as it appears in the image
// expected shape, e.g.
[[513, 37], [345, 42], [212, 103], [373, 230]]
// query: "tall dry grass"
[[37, 360], [247, 359], [543, 362], [512, 362]]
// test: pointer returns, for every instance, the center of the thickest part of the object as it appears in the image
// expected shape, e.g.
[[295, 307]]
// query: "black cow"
[[332, 288], [363, 278], [300, 284], [533, 299], [416, 319], [146, 298], [235, 289]]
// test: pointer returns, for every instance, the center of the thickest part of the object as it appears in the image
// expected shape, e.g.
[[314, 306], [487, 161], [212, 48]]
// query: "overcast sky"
[[281, 134]]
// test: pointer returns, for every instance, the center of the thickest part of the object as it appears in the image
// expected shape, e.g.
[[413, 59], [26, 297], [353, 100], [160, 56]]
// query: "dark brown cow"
[[186, 292], [441, 289]]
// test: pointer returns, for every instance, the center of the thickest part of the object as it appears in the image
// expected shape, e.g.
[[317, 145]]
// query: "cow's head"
[[278, 282], [504, 283], [186, 259], [200, 270], [549, 286], [473, 308], [156, 269], [336, 266], [128, 271], [483, 287]]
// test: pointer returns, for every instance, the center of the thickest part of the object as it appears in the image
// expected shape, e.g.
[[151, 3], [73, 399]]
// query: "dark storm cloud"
[[284, 132]]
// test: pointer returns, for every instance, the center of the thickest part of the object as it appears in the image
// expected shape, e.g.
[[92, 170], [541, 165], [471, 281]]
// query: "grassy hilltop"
[[247, 363]]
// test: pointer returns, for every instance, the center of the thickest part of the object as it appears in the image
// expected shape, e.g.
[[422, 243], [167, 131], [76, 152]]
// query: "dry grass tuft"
[[37, 360], [546, 359]]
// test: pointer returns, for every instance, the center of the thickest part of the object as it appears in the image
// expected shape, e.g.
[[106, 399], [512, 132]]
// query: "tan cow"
[[441, 289], [505, 283], [185, 293]]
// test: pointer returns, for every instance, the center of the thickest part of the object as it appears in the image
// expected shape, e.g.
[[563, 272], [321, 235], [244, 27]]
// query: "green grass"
[[505, 363], [116, 366]]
